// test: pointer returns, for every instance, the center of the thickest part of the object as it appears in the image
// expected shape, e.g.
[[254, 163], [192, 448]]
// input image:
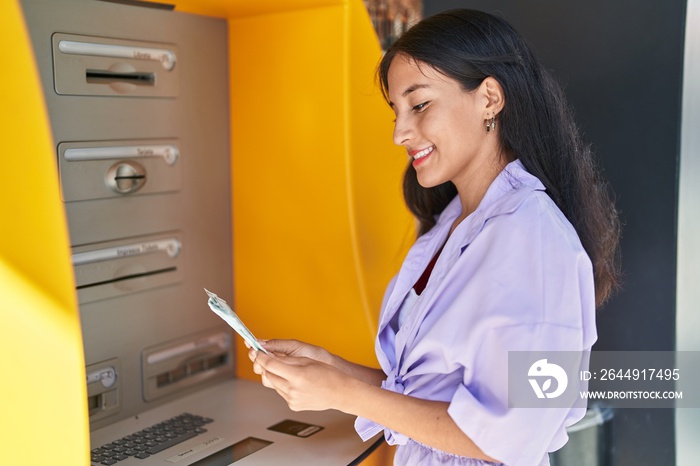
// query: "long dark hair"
[[535, 126]]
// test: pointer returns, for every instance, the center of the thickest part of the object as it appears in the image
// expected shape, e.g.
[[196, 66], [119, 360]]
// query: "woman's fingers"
[[272, 381], [261, 366], [262, 362], [279, 370], [282, 346], [304, 383]]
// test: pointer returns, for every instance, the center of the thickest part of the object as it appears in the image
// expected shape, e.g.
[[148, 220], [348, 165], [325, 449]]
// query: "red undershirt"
[[423, 280]]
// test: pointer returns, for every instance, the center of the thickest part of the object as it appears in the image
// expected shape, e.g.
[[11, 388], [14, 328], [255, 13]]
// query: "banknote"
[[223, 310]]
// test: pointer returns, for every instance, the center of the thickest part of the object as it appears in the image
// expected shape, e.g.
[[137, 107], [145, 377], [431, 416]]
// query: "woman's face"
[[441, 125]]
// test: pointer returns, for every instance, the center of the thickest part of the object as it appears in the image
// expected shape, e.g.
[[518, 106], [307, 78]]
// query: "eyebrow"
[[409, 89], [413, 87]]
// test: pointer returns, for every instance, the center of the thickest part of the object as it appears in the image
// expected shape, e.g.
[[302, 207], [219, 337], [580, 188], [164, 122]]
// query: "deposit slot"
[[115, 268]]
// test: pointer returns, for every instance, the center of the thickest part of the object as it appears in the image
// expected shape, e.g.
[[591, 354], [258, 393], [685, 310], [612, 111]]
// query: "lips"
[[420, 154]]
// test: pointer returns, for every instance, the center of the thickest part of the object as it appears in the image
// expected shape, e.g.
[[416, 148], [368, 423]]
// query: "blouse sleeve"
[[514, 436]]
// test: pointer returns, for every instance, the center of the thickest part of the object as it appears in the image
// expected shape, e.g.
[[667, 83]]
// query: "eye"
[[420, 107]]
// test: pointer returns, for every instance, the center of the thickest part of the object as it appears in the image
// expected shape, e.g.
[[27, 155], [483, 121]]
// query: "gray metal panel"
[[84, 167], [130, 265], [187, 361], [688, 291], [87, 65], [121, 326]]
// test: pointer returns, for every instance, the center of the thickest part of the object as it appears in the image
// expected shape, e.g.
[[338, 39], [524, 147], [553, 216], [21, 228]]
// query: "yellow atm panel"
[[42, 384]]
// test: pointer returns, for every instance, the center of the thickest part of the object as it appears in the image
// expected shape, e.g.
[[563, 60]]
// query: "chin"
[[428, 183]]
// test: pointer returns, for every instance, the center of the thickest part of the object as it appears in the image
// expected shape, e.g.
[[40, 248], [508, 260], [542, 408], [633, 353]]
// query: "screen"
[[233, 453]]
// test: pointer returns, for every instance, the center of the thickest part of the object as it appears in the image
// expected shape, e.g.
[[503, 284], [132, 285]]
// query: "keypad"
[[150, 440]]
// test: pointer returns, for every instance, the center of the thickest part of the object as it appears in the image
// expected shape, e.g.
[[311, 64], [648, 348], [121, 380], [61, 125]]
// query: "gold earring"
[[491, 125]]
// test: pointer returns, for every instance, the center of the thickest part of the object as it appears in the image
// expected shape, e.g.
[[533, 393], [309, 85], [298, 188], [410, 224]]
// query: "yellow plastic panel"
[[294, 266], [240, 8], [318, 217], [42, 390], [42, 386], [383, 229]]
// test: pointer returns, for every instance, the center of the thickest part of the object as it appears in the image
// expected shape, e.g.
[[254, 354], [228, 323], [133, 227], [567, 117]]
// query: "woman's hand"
[[304, 382], [299, 349], [295, 348]]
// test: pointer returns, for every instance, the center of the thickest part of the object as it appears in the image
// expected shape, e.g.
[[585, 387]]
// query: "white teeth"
[[423, 153]]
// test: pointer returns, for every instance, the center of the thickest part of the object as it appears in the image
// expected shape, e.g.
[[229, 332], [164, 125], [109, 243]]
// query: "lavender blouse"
[[513, 276]]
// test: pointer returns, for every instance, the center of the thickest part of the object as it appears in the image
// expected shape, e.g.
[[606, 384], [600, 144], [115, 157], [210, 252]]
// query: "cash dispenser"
[[170, 161]]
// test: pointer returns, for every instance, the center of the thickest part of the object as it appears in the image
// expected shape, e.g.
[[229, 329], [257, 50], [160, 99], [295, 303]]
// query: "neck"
[[472, 189]]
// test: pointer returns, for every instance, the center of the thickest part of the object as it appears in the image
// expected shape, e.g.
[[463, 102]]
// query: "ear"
[[493, 96]]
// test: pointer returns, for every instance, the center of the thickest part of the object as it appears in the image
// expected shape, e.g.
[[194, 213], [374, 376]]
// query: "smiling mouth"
[[423, 153]]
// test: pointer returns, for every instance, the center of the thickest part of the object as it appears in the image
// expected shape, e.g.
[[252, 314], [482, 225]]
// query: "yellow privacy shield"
[[42, 386]]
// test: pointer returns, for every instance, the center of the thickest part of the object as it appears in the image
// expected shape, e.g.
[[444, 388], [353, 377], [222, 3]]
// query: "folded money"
[[223, 310]]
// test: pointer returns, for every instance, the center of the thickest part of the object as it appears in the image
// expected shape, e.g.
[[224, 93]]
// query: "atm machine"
[[161, 160]]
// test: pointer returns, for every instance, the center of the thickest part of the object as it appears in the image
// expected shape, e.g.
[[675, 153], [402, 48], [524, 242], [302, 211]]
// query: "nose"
[[402, 131]]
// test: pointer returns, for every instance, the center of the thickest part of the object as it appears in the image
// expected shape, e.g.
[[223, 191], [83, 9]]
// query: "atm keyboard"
[[150, 440]]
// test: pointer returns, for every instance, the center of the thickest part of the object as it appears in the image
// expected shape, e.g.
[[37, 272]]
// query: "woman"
[[515, 228]]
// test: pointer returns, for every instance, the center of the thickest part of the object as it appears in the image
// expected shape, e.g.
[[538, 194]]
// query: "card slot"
[[109, 77]]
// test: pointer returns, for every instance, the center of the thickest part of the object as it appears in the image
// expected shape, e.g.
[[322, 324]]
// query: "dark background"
[[621, 64]]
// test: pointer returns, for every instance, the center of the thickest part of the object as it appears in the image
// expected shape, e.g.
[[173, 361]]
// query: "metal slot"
[[125, 177], [189, 369], [107, 77], [103, 388], [108, 169], [120, 267], [186, 362], [86, 65], [132, 276]]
